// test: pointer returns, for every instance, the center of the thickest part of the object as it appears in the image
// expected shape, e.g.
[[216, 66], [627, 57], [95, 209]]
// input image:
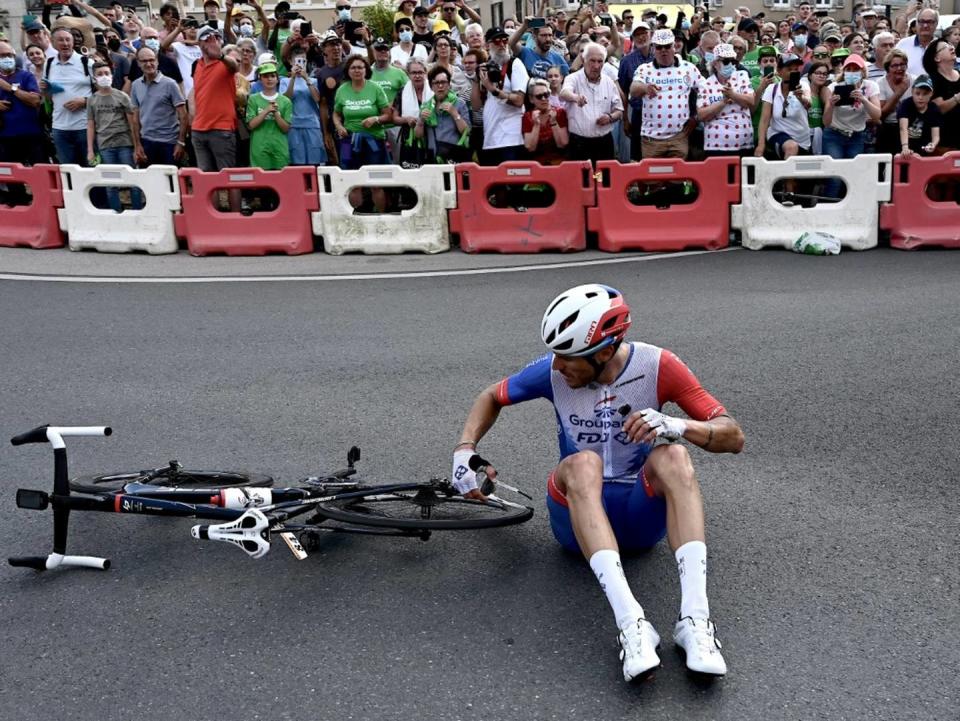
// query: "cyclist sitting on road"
[[613, 488]]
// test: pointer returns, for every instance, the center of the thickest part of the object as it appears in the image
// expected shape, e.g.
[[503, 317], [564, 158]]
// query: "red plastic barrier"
[[560, 226], [285, 229], [704, 223], [35, 225], [913, 219]]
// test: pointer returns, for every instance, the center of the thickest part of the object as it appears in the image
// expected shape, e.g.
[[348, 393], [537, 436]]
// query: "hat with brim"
[[33, 27], [855, 60], [868, 14], [797, 27], [495, 33], [832, 36], [381, 44], [725, 51], [840, 53], [747, 25], [330, 38], [206, 31], [923, 81], [267, 69], [787, 60], [640, 27], [766, 51], [663, 37]]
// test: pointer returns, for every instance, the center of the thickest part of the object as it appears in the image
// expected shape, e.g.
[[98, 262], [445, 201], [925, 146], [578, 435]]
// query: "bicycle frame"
[[246, 522]]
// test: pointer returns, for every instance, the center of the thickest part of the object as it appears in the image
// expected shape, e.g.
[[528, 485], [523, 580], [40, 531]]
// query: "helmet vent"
[[569, 321], [557, 302], [563, 346]]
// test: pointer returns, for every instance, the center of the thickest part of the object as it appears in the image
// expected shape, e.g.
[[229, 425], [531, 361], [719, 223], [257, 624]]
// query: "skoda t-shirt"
[[355, 106]]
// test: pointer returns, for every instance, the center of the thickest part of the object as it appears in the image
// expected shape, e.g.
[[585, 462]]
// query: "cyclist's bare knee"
[[669, 469], [580, 474]]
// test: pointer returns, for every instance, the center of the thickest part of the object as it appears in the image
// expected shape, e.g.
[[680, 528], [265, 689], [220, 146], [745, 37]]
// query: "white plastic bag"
[[817, 243]]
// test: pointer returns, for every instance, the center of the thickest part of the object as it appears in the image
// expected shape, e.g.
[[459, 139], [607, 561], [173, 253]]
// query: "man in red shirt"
[[214, 126]]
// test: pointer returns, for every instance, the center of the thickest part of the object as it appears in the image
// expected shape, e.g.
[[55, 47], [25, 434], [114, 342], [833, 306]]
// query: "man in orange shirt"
[[214, 126]]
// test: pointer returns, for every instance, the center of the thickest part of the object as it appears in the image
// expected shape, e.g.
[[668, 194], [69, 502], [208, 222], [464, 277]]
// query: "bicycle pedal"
[[293, 544]]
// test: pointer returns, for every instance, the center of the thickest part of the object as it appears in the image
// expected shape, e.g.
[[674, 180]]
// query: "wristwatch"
[[14, 87]]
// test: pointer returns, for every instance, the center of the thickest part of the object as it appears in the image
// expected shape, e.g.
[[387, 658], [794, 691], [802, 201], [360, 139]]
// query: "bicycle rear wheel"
[[114, 482], [423, 507]]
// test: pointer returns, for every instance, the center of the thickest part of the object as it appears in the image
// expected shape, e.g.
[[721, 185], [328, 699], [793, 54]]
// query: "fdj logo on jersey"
[[603, 409]]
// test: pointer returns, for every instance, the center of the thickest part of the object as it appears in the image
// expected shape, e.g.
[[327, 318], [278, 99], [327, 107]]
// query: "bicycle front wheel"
[[423, 508], [115, 482]]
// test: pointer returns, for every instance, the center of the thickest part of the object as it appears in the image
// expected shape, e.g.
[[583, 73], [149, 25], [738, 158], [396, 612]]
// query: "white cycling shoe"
[[639, 642], [697, 638]]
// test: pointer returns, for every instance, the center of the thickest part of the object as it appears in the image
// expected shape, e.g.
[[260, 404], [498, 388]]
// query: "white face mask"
[[152, 43], [406, 36], [7, 64], [104, 81], [246, 31]]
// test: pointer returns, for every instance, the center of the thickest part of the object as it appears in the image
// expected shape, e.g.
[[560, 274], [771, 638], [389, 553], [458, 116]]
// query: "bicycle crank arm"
[[250, 532]]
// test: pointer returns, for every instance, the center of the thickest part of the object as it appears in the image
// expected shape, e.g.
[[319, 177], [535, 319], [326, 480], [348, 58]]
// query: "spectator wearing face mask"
[[724, 105], [110, 129], [247, 29], [150, 38], [845, 118], [784, 124], [403, 51]]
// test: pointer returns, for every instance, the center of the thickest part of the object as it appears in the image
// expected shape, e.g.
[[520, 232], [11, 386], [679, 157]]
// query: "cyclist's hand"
[[464, 478], [647, 425]]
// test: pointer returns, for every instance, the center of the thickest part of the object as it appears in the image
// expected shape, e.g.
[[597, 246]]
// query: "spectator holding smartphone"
[[305, 136], [850, 104], [183, 44], [784, 123], [724, 104], [269, 115]]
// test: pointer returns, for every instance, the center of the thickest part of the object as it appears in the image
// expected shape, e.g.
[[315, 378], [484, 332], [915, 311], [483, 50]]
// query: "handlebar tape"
[[38, 563], [37, 435]]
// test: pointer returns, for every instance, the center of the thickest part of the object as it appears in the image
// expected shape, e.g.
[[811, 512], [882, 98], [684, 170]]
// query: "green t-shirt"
[[391, 79], [268, 143], [282, 35], [356, 106], [815, 113], [751, 61]]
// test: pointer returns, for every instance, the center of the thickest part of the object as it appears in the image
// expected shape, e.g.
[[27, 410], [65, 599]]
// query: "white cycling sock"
[[692, 567], [606, 567]]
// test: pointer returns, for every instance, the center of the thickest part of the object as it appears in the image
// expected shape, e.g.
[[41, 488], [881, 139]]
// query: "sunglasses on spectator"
[[728, 61], [821, 55], [541, 96], [897, 66], [663, 47], [343, 7]]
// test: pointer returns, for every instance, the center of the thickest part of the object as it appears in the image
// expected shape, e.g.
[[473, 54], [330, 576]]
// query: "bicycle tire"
[[114, 482], [423, 508]]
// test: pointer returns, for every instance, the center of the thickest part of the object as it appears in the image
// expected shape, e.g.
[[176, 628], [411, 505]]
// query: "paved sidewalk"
[[89, 264]]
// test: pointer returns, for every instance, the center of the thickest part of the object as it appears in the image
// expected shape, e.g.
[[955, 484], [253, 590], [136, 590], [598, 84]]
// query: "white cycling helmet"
[[582, 320]]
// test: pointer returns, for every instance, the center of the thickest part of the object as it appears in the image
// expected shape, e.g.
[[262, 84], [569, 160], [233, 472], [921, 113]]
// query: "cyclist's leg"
[[579, 521], [669, 474]]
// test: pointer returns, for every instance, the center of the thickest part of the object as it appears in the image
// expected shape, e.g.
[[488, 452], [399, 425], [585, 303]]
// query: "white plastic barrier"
[[764, 222], [423, 228], [149, 229]]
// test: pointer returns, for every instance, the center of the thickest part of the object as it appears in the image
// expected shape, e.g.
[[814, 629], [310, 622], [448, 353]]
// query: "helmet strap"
[[597, 366]]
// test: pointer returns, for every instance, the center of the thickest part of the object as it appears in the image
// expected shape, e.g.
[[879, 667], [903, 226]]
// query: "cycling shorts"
[[638, 518]]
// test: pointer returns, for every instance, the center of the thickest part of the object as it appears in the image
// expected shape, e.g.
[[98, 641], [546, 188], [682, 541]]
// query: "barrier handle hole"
[[751, 175], [465, 180], [732, 173], [904, 173], [327, 185]]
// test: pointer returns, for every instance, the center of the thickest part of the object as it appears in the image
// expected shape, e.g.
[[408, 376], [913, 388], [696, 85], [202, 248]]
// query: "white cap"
[[663, 37], [724, 50], [266, 58]]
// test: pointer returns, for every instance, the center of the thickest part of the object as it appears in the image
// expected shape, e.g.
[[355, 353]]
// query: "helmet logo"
[[593, 327]]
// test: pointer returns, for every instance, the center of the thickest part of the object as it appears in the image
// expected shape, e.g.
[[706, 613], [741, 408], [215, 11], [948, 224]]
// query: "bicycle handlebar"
[[56, 560], [56, 434]]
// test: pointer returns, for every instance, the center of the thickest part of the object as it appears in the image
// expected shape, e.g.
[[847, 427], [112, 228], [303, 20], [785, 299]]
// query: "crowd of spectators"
[[244, 88]]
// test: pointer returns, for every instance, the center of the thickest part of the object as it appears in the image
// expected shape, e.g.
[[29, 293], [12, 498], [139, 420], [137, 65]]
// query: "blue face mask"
[[684, 24], [726, 71], [344, 15], [7, 64], [709, 57], [406, 36], [152, 43], [852, 78], [800, 41]]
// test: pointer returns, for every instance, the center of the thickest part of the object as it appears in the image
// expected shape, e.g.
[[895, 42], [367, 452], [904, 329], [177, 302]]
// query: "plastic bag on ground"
[[817, 243]]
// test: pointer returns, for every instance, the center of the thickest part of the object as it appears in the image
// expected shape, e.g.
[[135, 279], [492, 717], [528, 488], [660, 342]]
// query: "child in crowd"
[[919, 119], [109, 129], [268, 116]]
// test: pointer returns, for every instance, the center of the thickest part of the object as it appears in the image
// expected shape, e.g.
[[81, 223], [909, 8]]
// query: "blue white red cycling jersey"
[[587, 418]]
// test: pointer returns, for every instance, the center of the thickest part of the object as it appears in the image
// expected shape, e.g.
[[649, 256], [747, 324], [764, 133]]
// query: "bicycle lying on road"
[[249, 510]]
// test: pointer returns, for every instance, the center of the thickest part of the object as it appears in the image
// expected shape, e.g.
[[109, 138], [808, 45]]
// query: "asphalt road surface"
[[832, 538]]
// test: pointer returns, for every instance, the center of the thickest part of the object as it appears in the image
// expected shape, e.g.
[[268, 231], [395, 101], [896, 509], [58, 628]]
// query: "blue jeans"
[[71, 146], [158, 153], [120, 156], [839, 146]]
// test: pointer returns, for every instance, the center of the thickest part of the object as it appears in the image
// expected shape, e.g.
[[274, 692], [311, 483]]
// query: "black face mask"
[[114, 44]]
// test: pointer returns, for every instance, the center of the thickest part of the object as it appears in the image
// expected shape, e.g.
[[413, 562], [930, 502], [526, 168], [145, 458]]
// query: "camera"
[[494, 73]]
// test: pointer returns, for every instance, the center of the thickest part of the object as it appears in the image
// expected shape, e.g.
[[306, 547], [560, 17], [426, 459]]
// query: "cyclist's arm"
[[710, 426], [482, 416]]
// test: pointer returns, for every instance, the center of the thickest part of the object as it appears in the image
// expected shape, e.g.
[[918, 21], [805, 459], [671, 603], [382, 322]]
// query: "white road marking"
[[356, 276]]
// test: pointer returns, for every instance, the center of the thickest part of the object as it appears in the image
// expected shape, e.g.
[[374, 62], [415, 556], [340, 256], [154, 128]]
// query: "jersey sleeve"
[[531, 382], [677, 384]]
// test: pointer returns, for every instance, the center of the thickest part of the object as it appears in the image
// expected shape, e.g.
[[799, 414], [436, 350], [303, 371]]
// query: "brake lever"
[[488, 486]]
